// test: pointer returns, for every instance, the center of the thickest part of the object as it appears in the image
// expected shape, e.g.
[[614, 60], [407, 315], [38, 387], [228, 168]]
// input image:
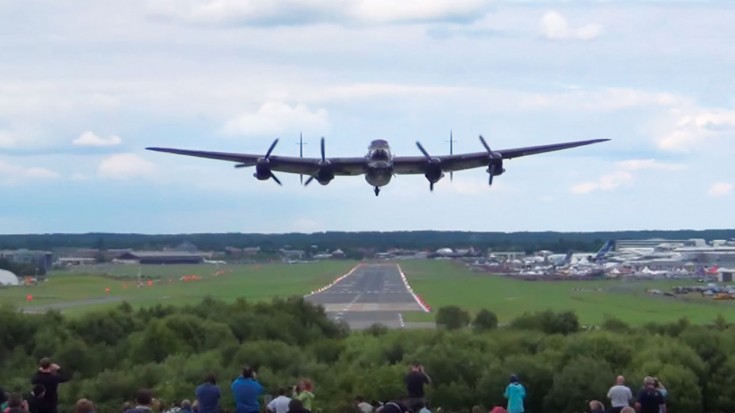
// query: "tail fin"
[[604, 250], [568, 258]]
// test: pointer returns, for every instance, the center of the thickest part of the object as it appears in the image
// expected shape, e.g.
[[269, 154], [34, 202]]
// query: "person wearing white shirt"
[[362, 405], [280, 403], [619, 395]]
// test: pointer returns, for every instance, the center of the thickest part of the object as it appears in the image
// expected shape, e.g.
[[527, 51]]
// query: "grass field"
[[439, 283], [77, 292], [445, 283]]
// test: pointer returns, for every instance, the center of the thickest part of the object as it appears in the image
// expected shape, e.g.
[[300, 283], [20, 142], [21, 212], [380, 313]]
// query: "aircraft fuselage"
[[379, 170]]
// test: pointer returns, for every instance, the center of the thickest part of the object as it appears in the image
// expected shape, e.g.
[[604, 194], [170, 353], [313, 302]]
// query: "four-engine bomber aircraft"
[[378, 165]]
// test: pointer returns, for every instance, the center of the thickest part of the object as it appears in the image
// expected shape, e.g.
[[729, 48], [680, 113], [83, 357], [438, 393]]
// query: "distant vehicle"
[[378, 165]]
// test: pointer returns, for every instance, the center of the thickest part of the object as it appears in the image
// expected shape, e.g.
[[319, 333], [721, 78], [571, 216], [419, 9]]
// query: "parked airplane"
[[378, 165], [607, 247]]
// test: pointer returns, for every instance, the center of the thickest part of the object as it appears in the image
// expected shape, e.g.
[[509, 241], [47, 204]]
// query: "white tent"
[[8, 278]]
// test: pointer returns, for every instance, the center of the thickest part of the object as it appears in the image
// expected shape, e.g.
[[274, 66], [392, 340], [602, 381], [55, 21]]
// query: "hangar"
[[7, 278], [159, 257]]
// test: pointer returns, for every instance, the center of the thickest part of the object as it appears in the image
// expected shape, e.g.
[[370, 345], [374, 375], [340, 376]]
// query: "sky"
[[86, 86]]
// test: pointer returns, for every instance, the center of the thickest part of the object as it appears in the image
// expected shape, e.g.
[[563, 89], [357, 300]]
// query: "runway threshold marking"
[[348, 306], [338, 279]]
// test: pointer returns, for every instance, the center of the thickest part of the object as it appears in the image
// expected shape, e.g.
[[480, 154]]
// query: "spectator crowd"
[[250, 397]]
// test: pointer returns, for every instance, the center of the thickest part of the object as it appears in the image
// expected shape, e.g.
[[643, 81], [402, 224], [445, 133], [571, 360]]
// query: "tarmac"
[[370, 294]]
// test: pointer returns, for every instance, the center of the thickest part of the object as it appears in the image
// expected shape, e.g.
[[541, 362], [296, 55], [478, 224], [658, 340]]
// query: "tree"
[[581, 380], [452, 317], [485, 320]]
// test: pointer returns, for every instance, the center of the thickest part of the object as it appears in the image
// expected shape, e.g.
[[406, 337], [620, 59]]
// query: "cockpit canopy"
[[378, 143]]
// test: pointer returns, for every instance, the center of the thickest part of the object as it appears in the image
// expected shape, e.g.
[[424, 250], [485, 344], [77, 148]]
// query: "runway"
[[369, 294]]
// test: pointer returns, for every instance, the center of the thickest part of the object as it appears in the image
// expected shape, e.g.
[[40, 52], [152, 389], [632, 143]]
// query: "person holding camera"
[[246, 391], [415, 381], [50, 376], [304, 392]]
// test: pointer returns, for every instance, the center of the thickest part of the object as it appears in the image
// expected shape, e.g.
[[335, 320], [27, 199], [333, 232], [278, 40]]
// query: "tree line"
[[169, 349], [515, 241]]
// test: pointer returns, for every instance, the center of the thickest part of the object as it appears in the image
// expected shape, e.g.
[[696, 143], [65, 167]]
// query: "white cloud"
[[720, 189], [11, 174], [555, 26], [90, 139], [8, 139], [303, 12], [388, 11], [278, 117], [648, 164], [695, 126], [606, 182], [124, 166]]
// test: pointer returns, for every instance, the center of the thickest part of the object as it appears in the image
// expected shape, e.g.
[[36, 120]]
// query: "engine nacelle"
[[262, 171], [433, 172], [324, 177], [495, 167]]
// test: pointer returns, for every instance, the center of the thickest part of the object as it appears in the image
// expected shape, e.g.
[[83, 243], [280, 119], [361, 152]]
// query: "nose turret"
[[381, 154]]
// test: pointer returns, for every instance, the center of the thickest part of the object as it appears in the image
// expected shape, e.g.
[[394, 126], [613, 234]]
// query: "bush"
[[452, 318], [485, 320], [113, 354]]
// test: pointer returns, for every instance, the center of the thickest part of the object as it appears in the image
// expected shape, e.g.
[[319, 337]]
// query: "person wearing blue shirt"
[[246, 390], [208, 395], [515, 393]]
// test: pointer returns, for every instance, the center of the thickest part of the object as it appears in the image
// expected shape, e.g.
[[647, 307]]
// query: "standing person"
[[186, 407], [362, 406], [84, 406], [660, 387], [619, 395], [415, 381], [280, 403], [650, 400], [515, 393], [304, 392], [208, 395], [50, 376], [15, 404], [246, 390], [596, 406], [144, 402]]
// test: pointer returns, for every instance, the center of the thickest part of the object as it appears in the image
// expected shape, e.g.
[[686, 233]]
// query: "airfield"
[[397, 295], [371, 294]]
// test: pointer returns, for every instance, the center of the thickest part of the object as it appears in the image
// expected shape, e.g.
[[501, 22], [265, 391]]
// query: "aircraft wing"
[[288, 164], [458, 162]]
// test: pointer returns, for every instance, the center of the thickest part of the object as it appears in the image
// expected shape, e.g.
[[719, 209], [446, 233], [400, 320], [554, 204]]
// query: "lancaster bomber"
[[379, 165]]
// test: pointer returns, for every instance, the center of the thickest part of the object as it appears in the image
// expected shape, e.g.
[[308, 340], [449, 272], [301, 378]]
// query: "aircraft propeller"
[[325, 173], [496, 162], [433, 169], [262, 166]]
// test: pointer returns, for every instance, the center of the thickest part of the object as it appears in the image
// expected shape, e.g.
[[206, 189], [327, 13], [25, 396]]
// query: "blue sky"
[[85, 86]]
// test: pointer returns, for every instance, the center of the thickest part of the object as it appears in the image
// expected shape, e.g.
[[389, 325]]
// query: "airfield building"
[[43, 260], [7, 278], [159, 257]]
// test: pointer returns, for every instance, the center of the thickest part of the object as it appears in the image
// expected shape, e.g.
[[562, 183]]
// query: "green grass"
[[445, 283], [439, 283], [81, 292]]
